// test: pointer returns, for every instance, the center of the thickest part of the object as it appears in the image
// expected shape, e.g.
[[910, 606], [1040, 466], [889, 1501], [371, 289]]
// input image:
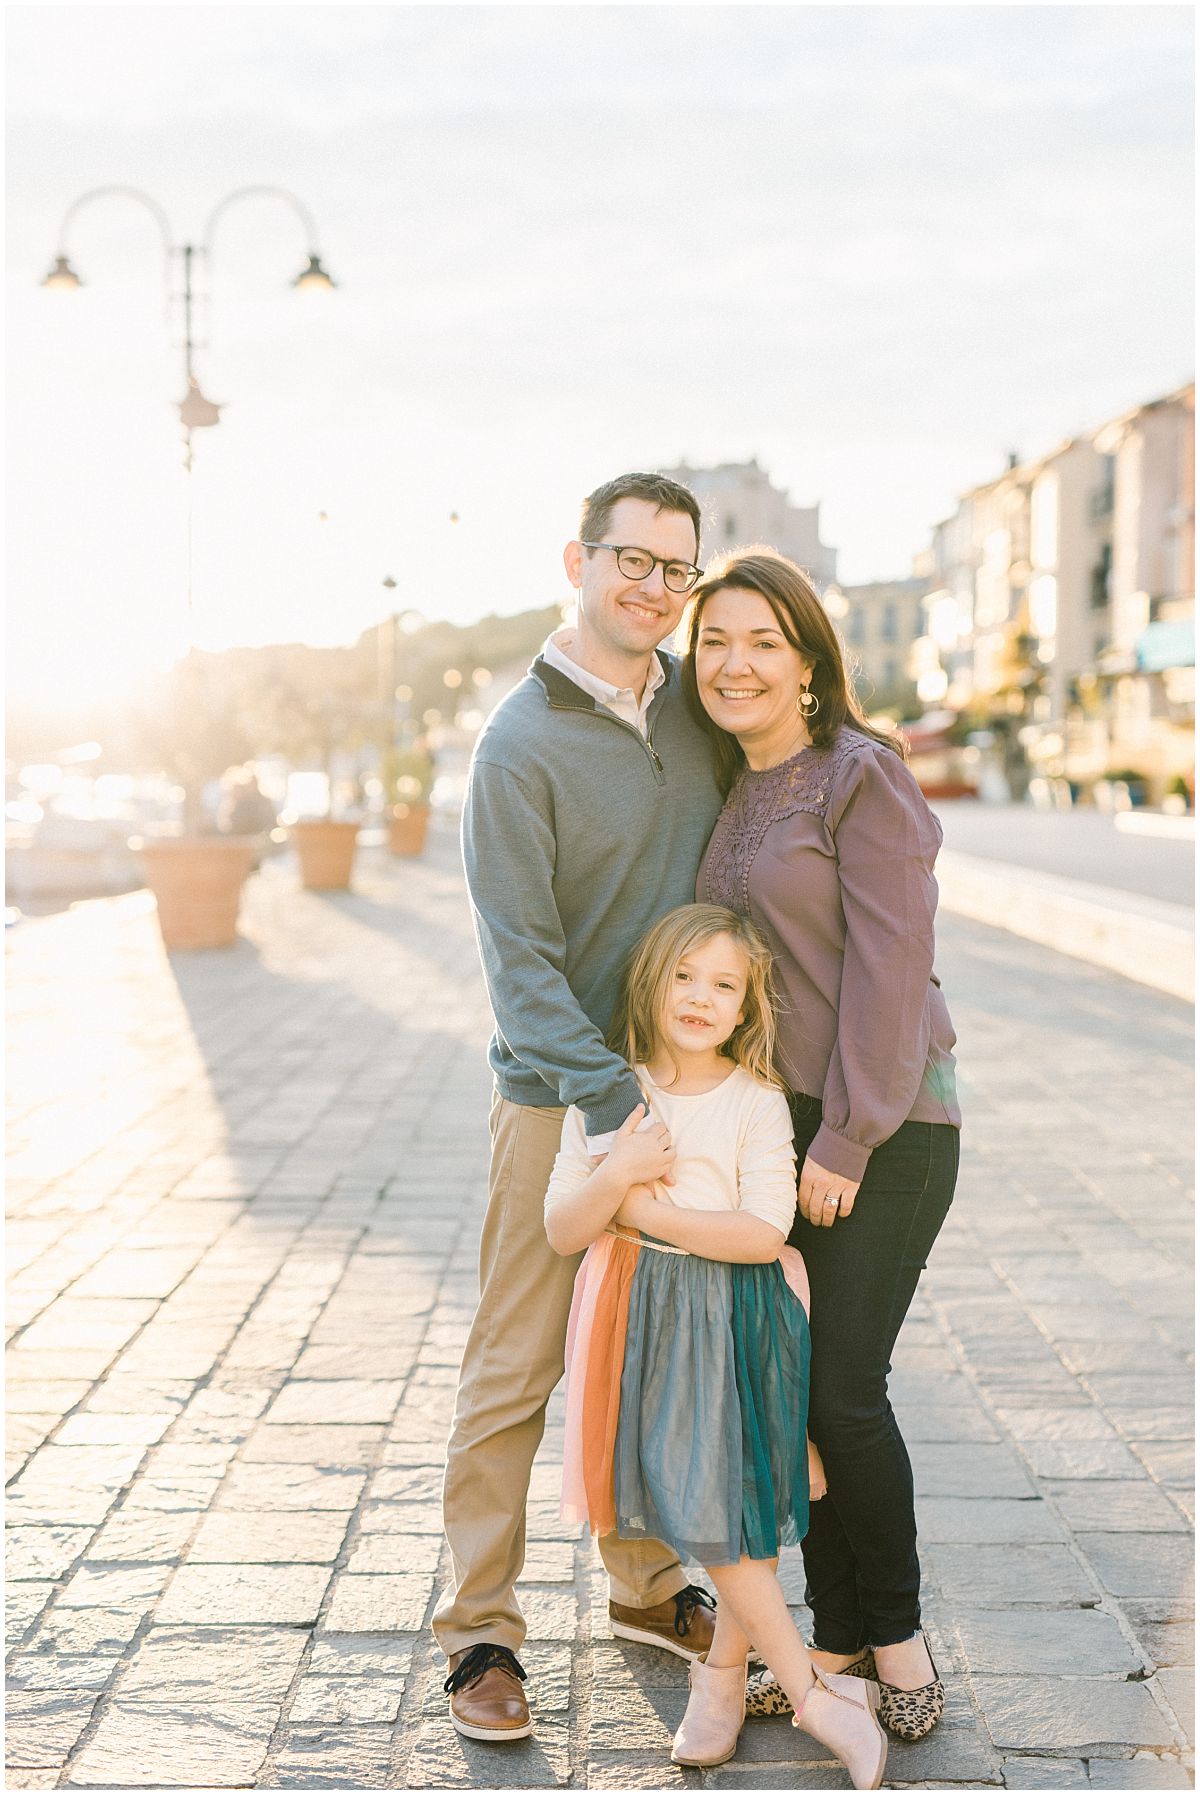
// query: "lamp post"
[[388, 666], [183, 261], [196, 882]]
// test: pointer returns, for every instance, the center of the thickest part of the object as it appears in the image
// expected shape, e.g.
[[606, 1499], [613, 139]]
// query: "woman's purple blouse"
[[831, 853]]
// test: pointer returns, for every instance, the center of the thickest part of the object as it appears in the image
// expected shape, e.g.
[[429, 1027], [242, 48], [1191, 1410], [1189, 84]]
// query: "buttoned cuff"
[[846, 1159]]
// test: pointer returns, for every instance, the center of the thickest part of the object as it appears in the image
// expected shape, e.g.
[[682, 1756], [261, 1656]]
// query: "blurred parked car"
[[68, 857], [942, 767]]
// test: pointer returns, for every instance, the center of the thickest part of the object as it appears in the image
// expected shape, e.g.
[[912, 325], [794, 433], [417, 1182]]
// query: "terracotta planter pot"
[[326, 851], [407, 828], [197, 883]]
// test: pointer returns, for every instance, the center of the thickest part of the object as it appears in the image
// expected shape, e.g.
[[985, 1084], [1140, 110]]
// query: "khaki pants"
[[513, 1360]]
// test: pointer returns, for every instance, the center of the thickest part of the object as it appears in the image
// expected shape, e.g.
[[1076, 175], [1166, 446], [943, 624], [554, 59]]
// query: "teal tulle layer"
[[711, 1453]]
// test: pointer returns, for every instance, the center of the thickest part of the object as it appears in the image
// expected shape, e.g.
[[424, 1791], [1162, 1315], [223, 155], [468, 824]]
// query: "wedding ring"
[[834, 1200]]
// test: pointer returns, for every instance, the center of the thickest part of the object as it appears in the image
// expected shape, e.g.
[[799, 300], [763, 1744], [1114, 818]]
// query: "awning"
[[1167, 644]]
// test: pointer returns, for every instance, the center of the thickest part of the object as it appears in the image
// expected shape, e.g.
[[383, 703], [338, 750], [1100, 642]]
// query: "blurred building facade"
[[1060, 604], [739, 505], [880, 622]]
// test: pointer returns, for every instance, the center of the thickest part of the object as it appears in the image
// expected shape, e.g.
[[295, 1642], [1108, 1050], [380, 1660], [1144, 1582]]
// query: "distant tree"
[[189, 726], [307, 704], [214, 711], [427, 654]]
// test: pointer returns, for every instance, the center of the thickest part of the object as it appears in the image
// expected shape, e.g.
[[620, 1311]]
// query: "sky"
[[875, 247]]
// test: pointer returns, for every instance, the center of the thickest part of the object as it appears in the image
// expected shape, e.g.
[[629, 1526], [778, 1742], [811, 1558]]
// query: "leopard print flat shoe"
[[765, 1697], [912, 1713]]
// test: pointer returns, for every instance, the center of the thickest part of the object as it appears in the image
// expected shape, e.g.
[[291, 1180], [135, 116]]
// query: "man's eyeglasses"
[[639, 564]]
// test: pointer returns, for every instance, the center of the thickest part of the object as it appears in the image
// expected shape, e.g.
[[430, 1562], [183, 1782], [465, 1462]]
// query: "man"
[[589, 803]]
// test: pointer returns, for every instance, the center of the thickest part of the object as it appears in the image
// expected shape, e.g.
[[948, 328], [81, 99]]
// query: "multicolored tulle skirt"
[[687, 1402]]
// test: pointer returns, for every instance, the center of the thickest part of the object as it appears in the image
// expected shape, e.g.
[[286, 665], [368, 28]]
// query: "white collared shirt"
[[621, 700]]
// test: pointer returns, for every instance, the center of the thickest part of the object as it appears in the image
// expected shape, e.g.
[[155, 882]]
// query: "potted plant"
[[190, 729], [313, 731], [408, 775], [325, 848]]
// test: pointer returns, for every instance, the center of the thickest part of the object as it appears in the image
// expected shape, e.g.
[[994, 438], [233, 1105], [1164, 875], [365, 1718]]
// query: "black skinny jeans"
[[860, 1554]]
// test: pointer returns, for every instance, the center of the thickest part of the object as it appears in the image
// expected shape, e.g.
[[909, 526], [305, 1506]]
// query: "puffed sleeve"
[[572, 1165], [886, 838], [766, 1161]]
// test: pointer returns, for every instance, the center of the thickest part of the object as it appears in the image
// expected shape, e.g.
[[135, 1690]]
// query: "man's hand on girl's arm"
[[639, 1154], [576, 1216], [601, 1147]]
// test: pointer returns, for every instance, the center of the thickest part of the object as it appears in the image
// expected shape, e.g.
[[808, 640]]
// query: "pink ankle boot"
[[708, 1732], [857, 1738]]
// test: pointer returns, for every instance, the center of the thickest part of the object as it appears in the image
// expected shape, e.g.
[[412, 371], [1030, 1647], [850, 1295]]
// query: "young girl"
[[688, 1343]]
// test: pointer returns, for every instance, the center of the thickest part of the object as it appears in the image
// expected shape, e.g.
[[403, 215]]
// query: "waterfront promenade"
[[245, 1192]]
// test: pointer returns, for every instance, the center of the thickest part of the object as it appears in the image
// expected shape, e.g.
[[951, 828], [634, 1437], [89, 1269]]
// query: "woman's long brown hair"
[[805, 623]]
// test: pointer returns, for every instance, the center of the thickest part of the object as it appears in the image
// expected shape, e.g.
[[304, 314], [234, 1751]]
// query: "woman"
[[826, 842]]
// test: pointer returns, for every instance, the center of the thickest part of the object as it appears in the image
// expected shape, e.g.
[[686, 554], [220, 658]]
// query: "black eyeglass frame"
[[620, 548]]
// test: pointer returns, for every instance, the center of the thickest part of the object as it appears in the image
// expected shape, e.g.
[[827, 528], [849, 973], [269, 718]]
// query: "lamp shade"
[[195, 411], [313, 278], [62, 278]]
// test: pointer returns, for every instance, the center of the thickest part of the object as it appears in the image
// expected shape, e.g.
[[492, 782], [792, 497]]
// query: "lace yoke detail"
[[757, 800]]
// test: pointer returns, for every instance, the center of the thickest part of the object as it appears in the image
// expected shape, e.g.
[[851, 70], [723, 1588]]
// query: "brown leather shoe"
[[682, 1624], [486, 1697]]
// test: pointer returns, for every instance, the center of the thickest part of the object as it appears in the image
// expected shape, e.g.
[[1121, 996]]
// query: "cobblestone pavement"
[[246, 1190]]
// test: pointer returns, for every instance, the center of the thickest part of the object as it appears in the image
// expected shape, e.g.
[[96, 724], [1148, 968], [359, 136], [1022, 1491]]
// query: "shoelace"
[[479, 1659], [688, 1599]]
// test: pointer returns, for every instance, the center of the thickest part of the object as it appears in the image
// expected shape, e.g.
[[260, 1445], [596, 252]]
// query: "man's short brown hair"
[[656, 489]]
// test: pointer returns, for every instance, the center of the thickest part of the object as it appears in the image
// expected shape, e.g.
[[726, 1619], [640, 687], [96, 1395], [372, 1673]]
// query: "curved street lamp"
[[196, 411]]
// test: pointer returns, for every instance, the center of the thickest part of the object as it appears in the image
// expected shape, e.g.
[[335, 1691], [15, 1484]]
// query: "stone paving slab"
[[244, 1226]]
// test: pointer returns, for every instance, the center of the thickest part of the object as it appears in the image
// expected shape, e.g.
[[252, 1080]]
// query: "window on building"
[[855, 633], [887, 628], [1043, 605], [1104, 493], [1102, 579], [731, 528]]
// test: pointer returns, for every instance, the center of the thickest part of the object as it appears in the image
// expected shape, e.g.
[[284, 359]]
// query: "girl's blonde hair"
[[637, 1030]]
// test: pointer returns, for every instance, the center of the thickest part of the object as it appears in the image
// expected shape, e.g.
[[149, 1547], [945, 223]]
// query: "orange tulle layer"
[[595, 1360]]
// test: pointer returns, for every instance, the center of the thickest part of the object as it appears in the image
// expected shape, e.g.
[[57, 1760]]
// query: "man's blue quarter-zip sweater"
[[578, 833]]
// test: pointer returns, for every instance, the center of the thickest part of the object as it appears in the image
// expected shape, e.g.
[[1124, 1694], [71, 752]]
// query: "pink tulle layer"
[[595, 1359]]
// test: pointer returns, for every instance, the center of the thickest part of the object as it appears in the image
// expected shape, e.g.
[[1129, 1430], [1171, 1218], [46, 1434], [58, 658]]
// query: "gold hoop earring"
[[808, 704]]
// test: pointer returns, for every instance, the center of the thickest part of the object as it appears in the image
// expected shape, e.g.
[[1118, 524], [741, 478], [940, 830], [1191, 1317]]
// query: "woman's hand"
[[640, 1155], [823, 1196]]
